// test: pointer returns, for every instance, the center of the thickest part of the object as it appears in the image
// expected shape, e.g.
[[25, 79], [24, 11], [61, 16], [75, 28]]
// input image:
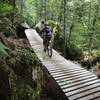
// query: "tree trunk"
[[45, 10], [65, 25], [60, 14]]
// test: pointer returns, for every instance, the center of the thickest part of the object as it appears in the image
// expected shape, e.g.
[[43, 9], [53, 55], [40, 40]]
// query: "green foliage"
[[73, 52], [28, 57], [11, 17], [55, 26], [30, 11], [23, 61], [21, 91], [7, 27], [3, 49], [5, 8]]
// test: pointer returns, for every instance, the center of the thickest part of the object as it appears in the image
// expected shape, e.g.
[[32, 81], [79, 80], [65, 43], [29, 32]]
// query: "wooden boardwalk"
[[76, 82]]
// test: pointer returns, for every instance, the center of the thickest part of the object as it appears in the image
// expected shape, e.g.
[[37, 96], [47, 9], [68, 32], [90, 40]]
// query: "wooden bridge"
[[76, 82]]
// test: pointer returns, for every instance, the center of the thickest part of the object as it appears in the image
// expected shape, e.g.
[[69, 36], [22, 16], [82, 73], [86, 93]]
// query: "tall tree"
[[45, 7], [65, 24]]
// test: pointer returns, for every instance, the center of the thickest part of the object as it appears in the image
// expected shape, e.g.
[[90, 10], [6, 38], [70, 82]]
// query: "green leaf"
[[2, 49]]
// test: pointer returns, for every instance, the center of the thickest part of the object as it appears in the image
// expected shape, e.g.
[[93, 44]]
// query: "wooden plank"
[[72, 78], [64, 64], [73, 81], [65, 69], [96, 96], [61, 68], [69, 72], [32, 42], [85, 89], [84, 94], [67, 77], [37, 46], [73, 75], [79, 82], [80, 86], [60, 64]]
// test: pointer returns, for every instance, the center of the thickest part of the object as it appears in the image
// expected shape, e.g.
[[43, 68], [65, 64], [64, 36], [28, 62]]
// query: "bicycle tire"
[[50, 50]]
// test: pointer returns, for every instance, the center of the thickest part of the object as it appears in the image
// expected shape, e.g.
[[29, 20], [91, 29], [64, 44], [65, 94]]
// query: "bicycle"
[[48, 47]]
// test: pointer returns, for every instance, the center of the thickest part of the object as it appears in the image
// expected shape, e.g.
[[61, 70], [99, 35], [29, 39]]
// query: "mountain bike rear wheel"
[[50, 50]]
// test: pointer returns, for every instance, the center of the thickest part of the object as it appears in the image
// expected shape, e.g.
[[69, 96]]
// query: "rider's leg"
[[49, 39], [46, 42]]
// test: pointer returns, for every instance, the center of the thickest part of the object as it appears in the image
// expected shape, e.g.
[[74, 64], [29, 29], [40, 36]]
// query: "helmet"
[[42, 22]]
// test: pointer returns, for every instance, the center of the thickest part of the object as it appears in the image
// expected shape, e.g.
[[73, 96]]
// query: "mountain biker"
[[47, 35], [39, 27]]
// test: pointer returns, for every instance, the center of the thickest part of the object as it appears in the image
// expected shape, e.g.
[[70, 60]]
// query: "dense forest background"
[[76, 26]]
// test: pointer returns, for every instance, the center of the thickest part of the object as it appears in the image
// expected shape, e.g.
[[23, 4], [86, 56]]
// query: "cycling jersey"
[[48, 31]]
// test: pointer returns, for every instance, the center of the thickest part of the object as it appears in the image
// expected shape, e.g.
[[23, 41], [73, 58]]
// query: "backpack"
[[47, 31]]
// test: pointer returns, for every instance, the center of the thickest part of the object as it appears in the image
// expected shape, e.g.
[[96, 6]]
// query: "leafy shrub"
[[5, 8], [7, 27]]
